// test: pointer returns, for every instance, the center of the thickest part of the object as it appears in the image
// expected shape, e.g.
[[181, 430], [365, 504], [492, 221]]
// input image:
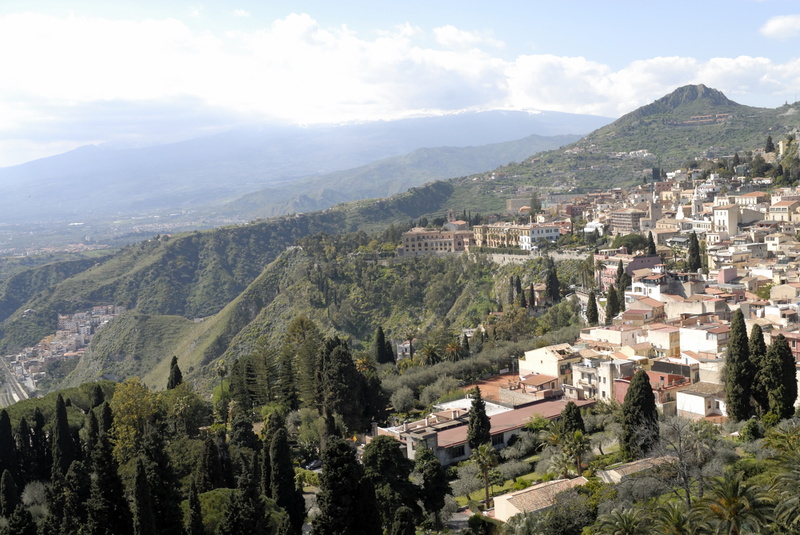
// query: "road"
[[10, 391]]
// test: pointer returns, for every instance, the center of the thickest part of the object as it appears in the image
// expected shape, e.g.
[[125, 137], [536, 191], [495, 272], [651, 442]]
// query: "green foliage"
[[479, 427], [739, 371], [592, 315], [632, 242], [640, 417]]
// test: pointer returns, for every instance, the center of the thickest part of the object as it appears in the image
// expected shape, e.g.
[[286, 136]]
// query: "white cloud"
[[782, 27], [63, 69], [241, 13], [451, 37]]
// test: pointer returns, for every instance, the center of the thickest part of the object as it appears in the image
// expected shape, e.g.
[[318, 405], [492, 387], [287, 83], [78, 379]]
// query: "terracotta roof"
[[538, 379], [634, 467], [543, 495]]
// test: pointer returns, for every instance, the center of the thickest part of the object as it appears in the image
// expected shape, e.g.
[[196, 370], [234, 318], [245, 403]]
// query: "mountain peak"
[[689, 95]]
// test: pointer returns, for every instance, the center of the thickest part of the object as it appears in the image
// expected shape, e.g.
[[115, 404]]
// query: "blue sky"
[[96, 71]]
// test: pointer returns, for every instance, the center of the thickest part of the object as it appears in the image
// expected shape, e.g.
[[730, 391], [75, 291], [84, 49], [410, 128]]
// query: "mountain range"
[[208, 295]]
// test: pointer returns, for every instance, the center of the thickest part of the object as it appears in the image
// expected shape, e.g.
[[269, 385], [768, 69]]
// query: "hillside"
[[692, 121]]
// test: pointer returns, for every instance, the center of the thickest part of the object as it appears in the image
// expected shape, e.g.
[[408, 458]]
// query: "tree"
[[531, 296], [778, 378], [434, 486], [485, 458], [739, 372], [732, 506], [194, 523], [571, 419], [143, 519], [381, 350], [245, 512], [133, 406], [21, 522], [479, 426], [107, 507], [612, 305], [592, 316], [769, 146], [340, 488], [175, 375], [8, 446], [9, 494], [639, 417], [651, 244], [209, 474], [620, 273], [552, 284], [388, 470], [403, 522], [282, 484], [693, 260], [758, 352], [63, 446], [628, 521]]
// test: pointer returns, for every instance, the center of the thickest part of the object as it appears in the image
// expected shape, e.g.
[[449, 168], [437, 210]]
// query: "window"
[[497, 440], [456, 452]]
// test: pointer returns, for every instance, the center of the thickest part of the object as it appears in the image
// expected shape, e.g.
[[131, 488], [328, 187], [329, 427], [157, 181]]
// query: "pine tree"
[[571, 419], [175, 375], [282, 485], [651, 244], [779, 380], [758, 352], [143, 519], [612, 305], [592, 314], [479, 427], [9, 494], [693, 260], [194, 524], [739, 371], [342, 386], [639, 417]]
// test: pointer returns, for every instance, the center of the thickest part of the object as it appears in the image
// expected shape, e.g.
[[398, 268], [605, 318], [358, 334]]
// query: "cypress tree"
[[621, 294], [639, 417], [381, 350], [479, 426], [175, 375], [758, 352], [283, 488], [209, 474], [592, 314], [107, 507], [435, 485], [343, 494], [693, 260], [194, 523], [464, 345], [552, 284], [40, 448], [739, 371], [8, 446], [531, 296], [244, 513], [63, 447], [342, 385], [143, 519], [265, 465], [389, 470], [769, 146], [779, 379], [651, 244], [612, 305], [620, 273], [518, 286], [165, 498], [571, 419], [521, 302], [97, 397], [9, 494], [77, 487], [23, 439], [21, 522]]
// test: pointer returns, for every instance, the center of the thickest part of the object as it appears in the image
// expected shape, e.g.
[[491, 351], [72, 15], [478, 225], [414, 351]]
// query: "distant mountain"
[[386, 177], [96, 182]]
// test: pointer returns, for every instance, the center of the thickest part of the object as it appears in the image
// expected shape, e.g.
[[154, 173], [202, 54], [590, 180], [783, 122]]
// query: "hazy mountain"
[[96, 182]]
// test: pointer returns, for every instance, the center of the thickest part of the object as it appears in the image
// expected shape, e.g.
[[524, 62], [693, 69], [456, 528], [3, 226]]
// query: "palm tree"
[[453, 351], [429, 354], [576, 445], [485, 458], [732, 507], [560, 463], [787, 510], [623, 522], [673, 519]]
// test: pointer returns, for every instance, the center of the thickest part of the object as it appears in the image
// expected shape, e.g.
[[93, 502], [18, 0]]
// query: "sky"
[[123, 72]]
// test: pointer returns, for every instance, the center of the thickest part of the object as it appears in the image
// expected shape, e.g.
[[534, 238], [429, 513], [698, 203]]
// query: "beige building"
[[555, 360], [626, 220], [419, 241]]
